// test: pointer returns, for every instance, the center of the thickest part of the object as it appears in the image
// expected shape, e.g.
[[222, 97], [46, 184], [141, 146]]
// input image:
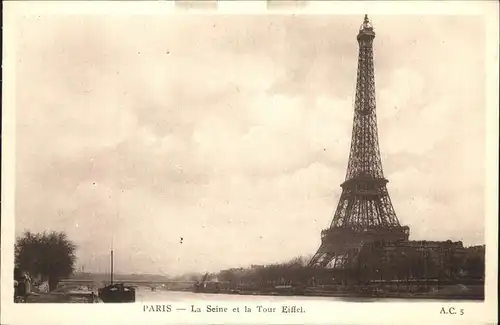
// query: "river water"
[[146, 295]]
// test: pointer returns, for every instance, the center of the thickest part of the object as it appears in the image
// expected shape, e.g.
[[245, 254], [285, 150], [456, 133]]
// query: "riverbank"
[[63, 297]]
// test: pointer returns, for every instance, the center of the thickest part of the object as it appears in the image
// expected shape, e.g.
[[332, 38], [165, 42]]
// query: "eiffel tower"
[[365, 213]]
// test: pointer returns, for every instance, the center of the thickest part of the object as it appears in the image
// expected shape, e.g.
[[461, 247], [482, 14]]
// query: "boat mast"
[[112, 266], [112, 261]]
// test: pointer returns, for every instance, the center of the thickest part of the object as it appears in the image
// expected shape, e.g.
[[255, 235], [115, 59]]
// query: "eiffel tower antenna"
[[365, 212]]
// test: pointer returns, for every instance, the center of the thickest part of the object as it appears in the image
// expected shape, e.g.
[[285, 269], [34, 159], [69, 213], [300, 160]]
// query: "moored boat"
[[116, 292]]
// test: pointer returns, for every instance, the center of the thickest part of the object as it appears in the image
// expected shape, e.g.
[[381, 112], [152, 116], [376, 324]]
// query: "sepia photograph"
[[248, 157]]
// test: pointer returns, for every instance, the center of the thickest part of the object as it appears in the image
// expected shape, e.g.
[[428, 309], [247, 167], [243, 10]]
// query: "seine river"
[[146, 295], [143, 295]]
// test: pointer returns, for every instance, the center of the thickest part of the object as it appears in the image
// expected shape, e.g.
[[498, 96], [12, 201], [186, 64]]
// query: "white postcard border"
[[318, 312]]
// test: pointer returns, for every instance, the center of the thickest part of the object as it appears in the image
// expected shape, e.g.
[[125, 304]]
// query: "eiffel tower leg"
[[321, 259], [315, 259]]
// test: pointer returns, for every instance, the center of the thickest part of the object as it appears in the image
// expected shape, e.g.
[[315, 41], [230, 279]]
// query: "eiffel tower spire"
[[365, 212]]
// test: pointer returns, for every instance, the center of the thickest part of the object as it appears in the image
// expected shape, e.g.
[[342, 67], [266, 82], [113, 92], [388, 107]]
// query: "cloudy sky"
[[233, 132]]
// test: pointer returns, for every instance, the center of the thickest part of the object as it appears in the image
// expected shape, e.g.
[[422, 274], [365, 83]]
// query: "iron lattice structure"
[[365, 212]]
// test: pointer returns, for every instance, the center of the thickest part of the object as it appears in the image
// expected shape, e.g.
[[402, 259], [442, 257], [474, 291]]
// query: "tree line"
[[369, 266]]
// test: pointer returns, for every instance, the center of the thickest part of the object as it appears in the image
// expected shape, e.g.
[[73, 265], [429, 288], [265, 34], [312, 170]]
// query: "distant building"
[[412, 260]]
